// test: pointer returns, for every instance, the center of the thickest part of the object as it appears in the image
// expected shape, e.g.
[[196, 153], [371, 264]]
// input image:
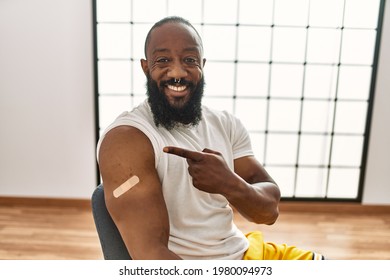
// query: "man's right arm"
[[139, 213]]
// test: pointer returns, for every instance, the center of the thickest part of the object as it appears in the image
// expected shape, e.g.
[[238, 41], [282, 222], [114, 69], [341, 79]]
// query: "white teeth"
[[177, 88]]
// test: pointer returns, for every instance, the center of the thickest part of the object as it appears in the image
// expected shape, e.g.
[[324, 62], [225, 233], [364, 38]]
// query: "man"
[[173, 169]]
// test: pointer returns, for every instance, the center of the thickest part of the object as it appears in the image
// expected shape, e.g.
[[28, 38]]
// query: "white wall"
[[47, 138], [377, 183]]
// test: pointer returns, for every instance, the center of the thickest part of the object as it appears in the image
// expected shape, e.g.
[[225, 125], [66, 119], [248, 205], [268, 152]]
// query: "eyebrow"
[[160, 50]]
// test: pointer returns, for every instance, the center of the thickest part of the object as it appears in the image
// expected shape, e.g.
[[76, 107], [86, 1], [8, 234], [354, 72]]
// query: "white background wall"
[[47, 137]]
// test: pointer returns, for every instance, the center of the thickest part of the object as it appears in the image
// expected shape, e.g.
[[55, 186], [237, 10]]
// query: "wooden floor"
[[56, 229]]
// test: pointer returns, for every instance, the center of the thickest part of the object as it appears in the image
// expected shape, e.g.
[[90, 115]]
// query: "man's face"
[[174, 69]]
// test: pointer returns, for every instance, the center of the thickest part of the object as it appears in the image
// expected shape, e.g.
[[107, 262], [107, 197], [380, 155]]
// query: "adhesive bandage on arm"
[[134, 180]]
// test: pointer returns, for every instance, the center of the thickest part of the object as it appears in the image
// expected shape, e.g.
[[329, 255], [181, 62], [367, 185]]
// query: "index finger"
[[184, 153]]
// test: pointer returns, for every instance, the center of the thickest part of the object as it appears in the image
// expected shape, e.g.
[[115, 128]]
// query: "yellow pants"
[[260, 250]]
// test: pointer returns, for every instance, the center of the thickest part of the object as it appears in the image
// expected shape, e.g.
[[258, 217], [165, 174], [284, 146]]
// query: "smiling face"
[[174, 68], [174, 51]]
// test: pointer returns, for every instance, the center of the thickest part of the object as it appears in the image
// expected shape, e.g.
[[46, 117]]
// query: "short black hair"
[[170, 19]]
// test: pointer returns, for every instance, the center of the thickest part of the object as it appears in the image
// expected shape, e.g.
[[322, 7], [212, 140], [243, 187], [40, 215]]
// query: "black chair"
[[111, 241]]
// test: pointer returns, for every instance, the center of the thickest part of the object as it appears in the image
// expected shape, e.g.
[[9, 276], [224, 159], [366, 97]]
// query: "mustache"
[[177, 82]]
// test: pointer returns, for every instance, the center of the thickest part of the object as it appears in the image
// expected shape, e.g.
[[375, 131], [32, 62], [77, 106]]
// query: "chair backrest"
[[111, 241]]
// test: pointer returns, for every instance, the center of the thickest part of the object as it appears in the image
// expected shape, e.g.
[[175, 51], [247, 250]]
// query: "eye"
[[162, 60], [191, 60]]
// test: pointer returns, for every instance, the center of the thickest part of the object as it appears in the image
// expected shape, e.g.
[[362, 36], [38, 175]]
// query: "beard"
[[169, 116]]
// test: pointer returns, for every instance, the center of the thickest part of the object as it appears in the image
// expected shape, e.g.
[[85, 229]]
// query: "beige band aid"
[[126, 186]]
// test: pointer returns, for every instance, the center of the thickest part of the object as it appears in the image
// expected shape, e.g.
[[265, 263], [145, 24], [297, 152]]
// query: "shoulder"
[[217, 115], [125, 138], [126, 146], [223, 118]]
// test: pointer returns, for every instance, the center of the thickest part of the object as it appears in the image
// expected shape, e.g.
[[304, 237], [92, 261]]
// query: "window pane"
[[114, 77], [361, 13], [351, 117], [252, 112], [254, 43], [286, 80], [354, 82], [347, 150], [114, 40], [326, 13], [138, 41], [320, 81], [222, 104], [137, 99], [294, 13], [284, 115], [181, 7], [358, 46], [219, 42], [257, 140], [139, 79], [343, 183], [281, 149], [314, 150], [110, 107], [220, 11], [252, 79], [311, 182], [285, 178], [142, 11], [317, 116], [323, 45], [219, 78], [256, 12], [289, 44], [118, 11]]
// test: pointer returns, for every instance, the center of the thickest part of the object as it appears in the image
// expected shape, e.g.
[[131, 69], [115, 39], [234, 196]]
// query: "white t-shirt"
[[201, 224]]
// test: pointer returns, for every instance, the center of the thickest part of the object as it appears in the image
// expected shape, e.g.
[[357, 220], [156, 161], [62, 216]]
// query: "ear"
[[204, 62], [144, 65]]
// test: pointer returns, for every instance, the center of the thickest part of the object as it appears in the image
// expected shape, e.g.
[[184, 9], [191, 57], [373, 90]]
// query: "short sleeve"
[[240, 139]]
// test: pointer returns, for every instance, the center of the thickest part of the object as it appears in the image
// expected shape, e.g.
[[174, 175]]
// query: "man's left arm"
[[256, 195]]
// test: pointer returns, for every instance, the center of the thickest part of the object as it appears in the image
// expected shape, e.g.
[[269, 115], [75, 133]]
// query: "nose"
[[177, 71]]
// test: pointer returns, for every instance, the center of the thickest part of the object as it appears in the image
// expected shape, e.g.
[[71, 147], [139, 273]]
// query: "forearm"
[[257, 202]]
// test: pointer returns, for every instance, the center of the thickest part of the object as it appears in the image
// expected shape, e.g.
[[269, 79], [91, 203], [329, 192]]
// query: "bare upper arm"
[[140, 213]]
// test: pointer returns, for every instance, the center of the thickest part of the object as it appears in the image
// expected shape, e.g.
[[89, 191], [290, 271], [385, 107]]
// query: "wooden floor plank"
[[63, 230]]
